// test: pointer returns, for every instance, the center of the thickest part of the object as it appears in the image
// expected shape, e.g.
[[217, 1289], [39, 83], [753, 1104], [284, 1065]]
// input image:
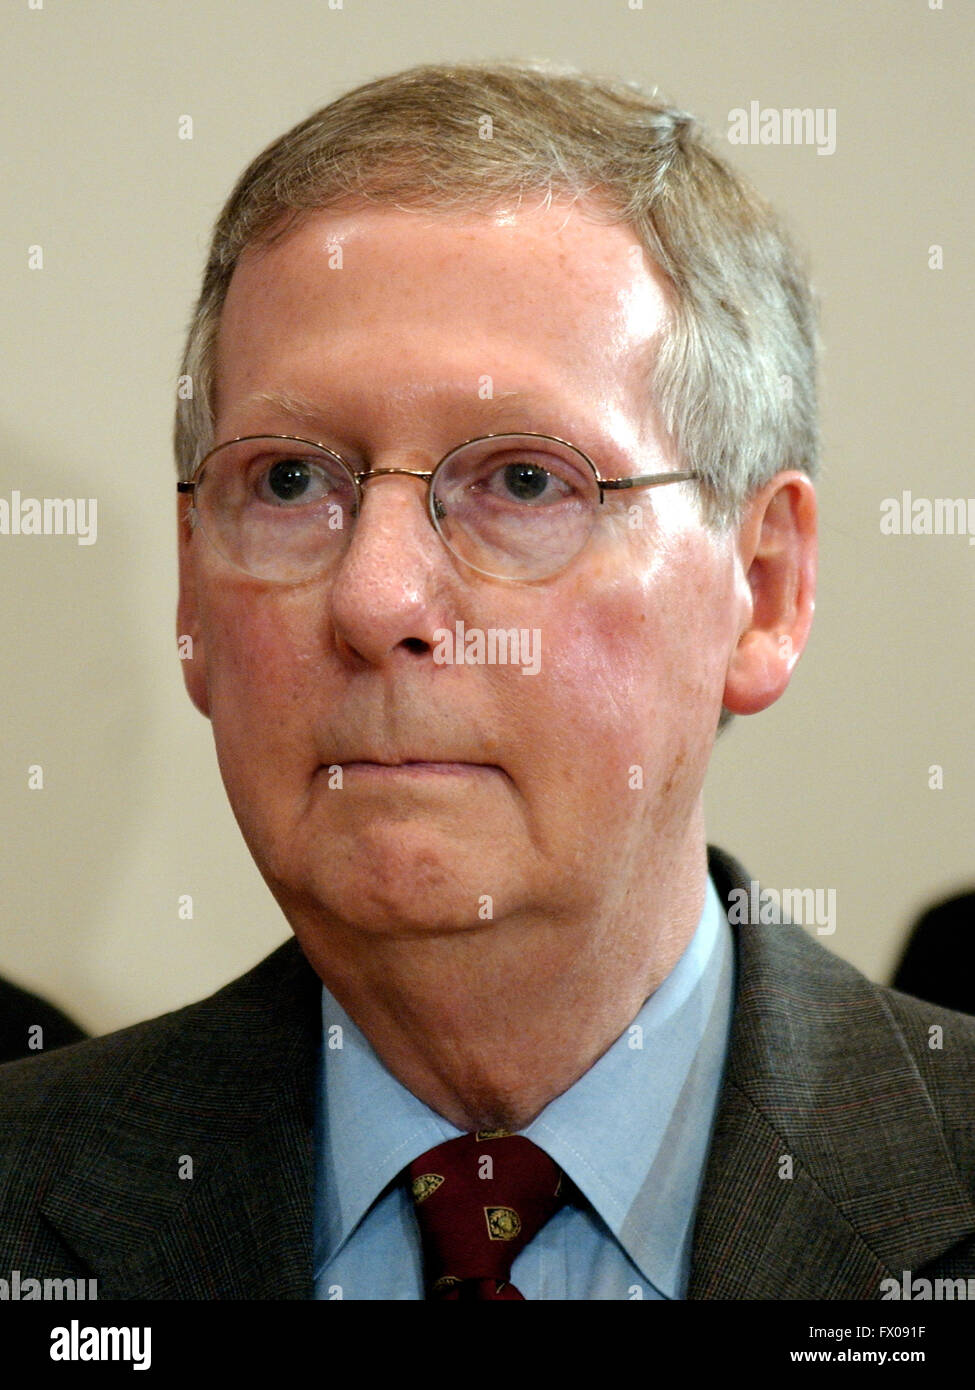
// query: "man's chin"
[[329, 911], [418, 884]]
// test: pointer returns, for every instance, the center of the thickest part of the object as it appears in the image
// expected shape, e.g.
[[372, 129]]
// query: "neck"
[[490, 1023]]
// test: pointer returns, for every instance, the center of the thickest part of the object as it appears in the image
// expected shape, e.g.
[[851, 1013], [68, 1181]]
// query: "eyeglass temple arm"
[[646, 480]]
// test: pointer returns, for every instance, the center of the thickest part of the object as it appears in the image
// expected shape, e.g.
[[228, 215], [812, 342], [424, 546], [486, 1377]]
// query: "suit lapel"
[[225, 1086], [828, 1168]]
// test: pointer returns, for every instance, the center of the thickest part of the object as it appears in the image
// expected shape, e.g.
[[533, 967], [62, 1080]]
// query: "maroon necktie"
[[479, 1200]]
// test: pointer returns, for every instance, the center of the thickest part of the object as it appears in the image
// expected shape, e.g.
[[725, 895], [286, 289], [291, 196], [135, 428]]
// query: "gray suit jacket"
[[825, 1069]]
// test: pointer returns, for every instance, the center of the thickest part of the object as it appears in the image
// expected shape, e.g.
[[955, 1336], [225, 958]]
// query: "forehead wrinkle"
[[302, 409]]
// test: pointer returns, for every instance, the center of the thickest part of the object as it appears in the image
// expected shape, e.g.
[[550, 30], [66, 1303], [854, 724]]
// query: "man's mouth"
[[418, 765]]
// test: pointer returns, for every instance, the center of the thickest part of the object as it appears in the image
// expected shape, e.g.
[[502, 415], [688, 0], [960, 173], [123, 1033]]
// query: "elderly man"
[[495, 502]]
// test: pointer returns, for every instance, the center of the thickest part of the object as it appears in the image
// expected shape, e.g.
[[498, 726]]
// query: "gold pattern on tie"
[[503, 1223], [424, 1185], [479, 1200]]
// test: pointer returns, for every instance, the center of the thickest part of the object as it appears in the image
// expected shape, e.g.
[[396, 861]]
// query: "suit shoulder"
[[91, 1136], [942, 1043], [822, 1022], [63, 1096]]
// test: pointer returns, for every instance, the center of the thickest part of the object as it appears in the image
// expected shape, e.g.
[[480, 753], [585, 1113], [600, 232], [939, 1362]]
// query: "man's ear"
[[777, 569], [188, 631]]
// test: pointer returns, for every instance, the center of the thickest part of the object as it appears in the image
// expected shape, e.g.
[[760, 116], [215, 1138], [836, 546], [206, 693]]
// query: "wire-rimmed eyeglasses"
[[511, 506]]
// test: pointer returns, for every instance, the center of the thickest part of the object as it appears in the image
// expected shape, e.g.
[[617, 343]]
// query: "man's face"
[[461, 785]]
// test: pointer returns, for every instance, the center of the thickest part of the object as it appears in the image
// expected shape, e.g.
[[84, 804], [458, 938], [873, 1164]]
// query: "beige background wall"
[[828, 789]]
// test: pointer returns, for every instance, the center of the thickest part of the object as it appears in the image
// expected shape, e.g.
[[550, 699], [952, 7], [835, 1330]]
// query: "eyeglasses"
[[511, 506]]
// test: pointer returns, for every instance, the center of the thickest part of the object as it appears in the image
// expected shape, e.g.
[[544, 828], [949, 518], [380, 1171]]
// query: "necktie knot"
[[479, 1200]]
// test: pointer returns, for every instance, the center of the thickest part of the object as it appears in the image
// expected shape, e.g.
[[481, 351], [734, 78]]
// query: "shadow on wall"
[[29, 1026], [938, 964], [74, 710]]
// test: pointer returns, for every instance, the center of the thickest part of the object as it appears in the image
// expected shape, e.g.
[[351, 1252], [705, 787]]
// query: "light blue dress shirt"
[[632, 1133]]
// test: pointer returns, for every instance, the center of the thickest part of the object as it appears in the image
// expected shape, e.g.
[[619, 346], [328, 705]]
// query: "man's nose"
[[389, 589]]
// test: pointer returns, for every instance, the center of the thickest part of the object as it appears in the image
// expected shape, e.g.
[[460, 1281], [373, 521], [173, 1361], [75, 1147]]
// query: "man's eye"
[[292, 480], [528, 483]]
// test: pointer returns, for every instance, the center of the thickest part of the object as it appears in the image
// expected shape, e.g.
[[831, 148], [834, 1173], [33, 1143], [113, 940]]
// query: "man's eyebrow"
[[298, 407]]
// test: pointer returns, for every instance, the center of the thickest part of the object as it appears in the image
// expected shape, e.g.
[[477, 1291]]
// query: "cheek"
[[261, 669], [635, 663]]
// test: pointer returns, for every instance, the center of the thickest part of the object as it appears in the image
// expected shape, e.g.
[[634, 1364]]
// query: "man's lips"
[[416, 767]]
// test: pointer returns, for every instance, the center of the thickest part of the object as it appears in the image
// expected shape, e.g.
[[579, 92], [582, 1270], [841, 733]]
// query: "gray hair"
[[734, 374]]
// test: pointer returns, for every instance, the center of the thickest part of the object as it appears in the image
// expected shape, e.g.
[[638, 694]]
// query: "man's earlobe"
[[777, 559], [189, 640]]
